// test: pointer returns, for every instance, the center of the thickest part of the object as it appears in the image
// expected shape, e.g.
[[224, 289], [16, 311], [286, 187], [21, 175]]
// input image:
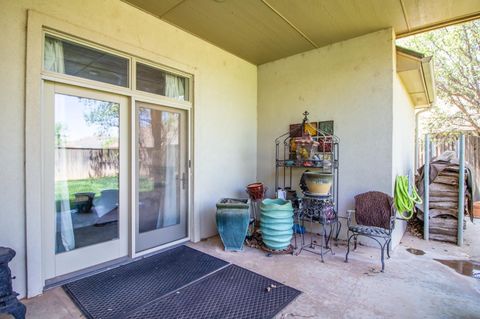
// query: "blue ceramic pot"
[[233, 217], [276, 223]]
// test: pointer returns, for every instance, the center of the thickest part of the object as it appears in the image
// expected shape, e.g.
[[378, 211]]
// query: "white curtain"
[[53, 57], [64, 216], [170, 204], [174, 87], [66, 225]]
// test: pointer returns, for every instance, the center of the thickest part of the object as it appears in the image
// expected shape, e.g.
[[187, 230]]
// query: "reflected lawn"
[[94, 185]]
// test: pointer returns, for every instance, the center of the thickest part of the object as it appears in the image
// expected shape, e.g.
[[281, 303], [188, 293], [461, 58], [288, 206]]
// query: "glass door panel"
[[162, 176], [86, 198], [86, 171]]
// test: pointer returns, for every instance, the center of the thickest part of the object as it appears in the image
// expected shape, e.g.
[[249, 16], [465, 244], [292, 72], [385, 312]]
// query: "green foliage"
[[103, 115], [456, 52], [60, 134]]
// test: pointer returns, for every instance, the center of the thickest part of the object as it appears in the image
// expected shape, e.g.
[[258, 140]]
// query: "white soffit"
[[416, 72]]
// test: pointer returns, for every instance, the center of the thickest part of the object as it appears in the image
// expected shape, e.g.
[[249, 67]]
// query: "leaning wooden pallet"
[[443, 200]]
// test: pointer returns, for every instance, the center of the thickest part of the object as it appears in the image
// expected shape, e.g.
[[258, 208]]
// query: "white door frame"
[[37, 23]]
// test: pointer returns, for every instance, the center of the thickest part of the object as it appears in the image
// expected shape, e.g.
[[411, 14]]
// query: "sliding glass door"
[[162, 175], [87, 189]]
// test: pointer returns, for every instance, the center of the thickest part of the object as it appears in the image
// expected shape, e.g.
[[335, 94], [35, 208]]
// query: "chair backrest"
[[374, 209]]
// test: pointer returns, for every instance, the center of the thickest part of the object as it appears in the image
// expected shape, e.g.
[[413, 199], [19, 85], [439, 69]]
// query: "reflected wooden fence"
[[438, 145], [84, 163]]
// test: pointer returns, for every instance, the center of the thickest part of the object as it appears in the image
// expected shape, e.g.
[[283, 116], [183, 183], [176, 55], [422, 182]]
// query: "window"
[[79, 60], [73, 59], [156, 81]]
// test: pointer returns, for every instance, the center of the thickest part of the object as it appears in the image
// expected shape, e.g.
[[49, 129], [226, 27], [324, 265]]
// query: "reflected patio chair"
[[107, 202], [375, 219]]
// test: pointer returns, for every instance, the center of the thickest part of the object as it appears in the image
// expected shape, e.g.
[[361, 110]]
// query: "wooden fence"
[[442, 144]]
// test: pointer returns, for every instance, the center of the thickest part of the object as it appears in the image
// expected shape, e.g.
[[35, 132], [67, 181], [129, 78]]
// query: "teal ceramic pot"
[[233, 217], [276, 223]]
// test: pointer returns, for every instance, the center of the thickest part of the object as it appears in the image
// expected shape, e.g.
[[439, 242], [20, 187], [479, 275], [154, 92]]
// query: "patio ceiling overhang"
[[416, 72], [261, 31]]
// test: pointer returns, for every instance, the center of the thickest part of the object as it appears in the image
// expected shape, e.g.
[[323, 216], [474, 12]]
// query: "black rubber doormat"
[[116, 292], [230, 293]]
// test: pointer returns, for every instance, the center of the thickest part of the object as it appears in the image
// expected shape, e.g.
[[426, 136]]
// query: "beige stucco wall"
[[225, 106], [351, 83], [403, 141]]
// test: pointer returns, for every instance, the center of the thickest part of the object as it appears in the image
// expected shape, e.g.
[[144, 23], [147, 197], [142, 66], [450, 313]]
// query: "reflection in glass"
[[86, 171], [159, 163], [73, 59], [157, 81]]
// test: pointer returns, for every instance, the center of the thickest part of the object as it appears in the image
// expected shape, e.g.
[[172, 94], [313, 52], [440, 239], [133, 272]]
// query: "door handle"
[[184, 180]]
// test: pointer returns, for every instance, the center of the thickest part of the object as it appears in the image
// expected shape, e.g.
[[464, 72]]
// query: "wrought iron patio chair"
[[375, 219]]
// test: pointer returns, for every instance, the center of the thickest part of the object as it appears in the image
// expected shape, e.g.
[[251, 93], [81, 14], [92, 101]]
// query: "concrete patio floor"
[[411, 287]]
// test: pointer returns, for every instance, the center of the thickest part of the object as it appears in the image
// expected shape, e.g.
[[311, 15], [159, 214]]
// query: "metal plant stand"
[[319, 153], [323, 160], [8, 298], [256, 195], [318, 210]]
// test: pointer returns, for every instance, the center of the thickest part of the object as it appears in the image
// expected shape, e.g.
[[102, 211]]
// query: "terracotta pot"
[[255, 191], [476, 210]]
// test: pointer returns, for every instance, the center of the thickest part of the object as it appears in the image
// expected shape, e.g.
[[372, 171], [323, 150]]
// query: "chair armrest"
[[349, 216]]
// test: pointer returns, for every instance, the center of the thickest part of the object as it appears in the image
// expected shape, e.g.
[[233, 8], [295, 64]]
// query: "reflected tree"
[[60, 134], [104, 116], [158, 138]]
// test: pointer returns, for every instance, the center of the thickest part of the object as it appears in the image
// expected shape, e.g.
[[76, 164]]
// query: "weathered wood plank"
[[438, 212], [435, 187], [452, 168], [447, 173], [444, 193], [448, 180], [447, 223], [445, 238], [444, 199], [443, 231], [443, 205], [443, 212]]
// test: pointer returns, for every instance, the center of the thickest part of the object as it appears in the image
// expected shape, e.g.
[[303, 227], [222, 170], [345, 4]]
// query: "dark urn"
[[8, 298]]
